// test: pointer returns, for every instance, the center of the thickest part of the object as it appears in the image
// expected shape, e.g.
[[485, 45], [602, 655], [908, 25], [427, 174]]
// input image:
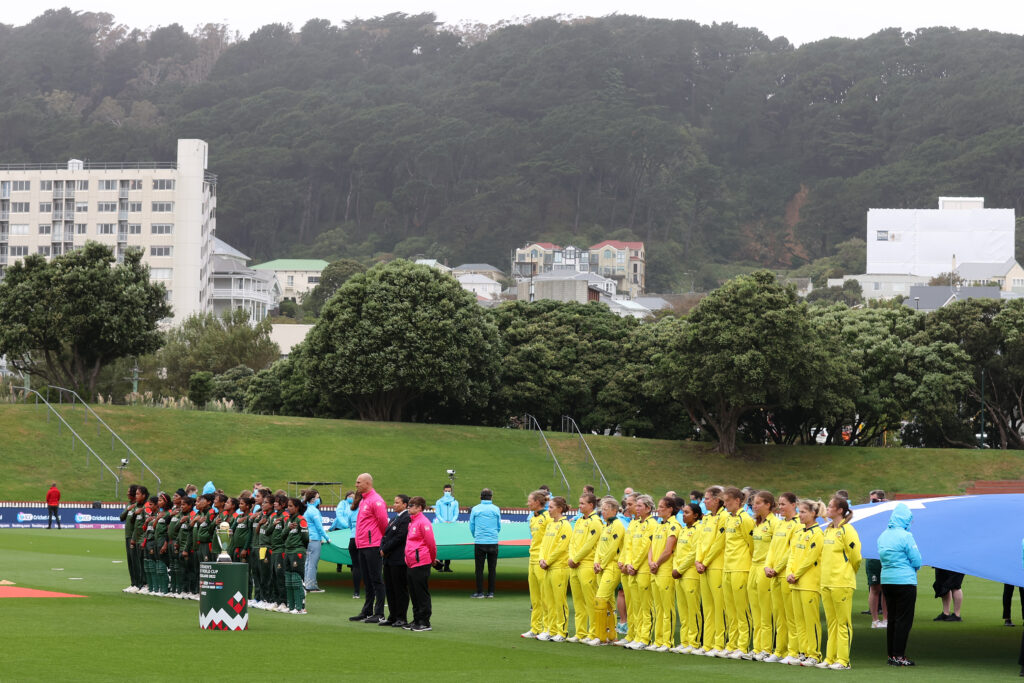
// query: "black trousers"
[[370, 570], [488, 552], [52, 514], [129, 553], [419, 592], [353, 552], [901, 600], [396, 587], [1008, 600]]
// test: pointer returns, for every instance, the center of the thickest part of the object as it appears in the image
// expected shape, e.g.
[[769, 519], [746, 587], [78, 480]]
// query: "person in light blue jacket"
[[317, 536], [900, 561], [484, 524], [345, 518], [446, 511]]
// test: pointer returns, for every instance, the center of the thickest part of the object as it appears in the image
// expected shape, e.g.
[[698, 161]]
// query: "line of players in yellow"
[[724, 583]]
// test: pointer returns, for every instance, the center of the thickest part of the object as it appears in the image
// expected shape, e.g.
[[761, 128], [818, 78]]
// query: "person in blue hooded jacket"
[[317, 536], [345, 518], [900, 561], [446, 511], [484, 524]]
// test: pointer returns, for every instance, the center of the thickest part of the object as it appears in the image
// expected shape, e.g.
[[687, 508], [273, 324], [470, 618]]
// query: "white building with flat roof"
[[928, 242], [165, 209]]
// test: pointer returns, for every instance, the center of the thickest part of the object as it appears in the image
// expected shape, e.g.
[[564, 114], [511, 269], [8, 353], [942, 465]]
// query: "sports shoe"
[[635, 645], [358, 617], [884, 623], [489, 595], [528, 634], [660, 648], [477, 595], [593, 642], [902, 661], [954, 617], [386, 622], [735, 654], [723, 654], [685, 649], [128, 589], [283, 609], [544, 636], [572, 639], [421, 627], [651, 648], [876, 624], [771, 659], [698, 651], [713, 653], [839, 667], [293, 611], [795, 661], [822, 665], [1007, 622], [810, 661], [399, 623], [759, 656], [144, 590], [748, 656], [557, 639], [316, 590], [411, 626], [942, 617], [621, 642], [356, 596], [374, 619]]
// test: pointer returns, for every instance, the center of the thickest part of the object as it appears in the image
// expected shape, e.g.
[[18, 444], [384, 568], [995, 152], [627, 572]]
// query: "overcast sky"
[[800, 21]]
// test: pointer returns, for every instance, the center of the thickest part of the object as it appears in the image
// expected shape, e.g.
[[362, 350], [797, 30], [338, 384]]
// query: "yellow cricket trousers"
[[713, 600], [664, 590], [536, 581], [645, 607], [632, 603], [808, 604], [604, 602], [759, 595], [688, 606], [583, 583], [556, 600], [838, 604], [788, 631]]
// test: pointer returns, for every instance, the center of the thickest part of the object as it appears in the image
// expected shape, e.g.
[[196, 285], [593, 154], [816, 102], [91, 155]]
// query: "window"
[[81, 207], [608, 254], [314, 279], [163, 207], [160, 251], [620, 257], [135, 228], [291, 280], [81, 228], [108, 184], [106, 207], [83, 184], [1018, 282], [21, 185], [105, 228], [163, 184], [19, 229], [881, 235], [44, 228], [160, 273], [162, 228], [19, 207], [56, 250], [45, 207], [134, 184], [19, 251], [878, 286], [44, 250], [135, 207], [46, 185]]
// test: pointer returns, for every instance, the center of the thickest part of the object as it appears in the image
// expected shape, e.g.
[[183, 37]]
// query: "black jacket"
[[392, 545]]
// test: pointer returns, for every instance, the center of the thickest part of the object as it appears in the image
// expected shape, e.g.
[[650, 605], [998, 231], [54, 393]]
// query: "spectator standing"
[[53, 506], [345, 516], [446, 511], [900, 561], [484, 524], [873, 569], [948, 585], [369, 530], [1008, 603], [317, 537], [420, 552], [392, 552]]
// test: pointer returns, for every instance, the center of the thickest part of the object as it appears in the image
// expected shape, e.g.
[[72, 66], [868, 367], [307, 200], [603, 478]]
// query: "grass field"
[[233, 450], [113, 635]]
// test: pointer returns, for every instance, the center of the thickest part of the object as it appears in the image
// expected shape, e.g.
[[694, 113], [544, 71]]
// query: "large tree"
[[65, 319], [401, 334]]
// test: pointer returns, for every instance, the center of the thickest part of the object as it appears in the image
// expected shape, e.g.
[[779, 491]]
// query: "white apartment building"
[[297, 276], [166, 209], [235, 285]]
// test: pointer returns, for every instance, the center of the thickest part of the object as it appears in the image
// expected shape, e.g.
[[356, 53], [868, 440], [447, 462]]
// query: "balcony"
[[235, 293], [4, 236], [5, 215], [58, 194], [56, 236], [123, 193], [122, 237], [58, 215]]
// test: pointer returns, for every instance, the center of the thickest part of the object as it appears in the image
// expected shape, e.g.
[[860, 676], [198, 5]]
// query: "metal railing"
[[75, 438], [76, 399], [569, 425], [531, 423]]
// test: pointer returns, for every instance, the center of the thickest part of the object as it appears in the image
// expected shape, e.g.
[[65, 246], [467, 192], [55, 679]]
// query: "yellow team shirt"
[[609, 546], [712, 540], [538, 524], [763, 535], [659, 539], [782, 541], [555, 550], [739, 543], [640, 535], [805, 559], [840, 557], [585, 535], [686, 552]]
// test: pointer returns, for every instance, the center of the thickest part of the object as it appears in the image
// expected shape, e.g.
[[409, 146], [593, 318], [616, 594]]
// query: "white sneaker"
[[810, 661], [723, 654], [839, 667], [795, 661], [748, 656], [636, 645], [557, 639], [544, 636], [572, 639], [127, 590], [759, 656], [876, 624], [651, 648], [622, 642], [293, 611], [283, 609], [195, 596], [698, 651], [884, 623], [685, 649], [771, 659], [662, 648], [735, 654], [821, 665], [592, 642], [528, 634], [299, 611], [144, 590]]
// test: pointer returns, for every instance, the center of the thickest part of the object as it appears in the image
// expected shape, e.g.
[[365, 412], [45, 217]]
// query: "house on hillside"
[[624, 262], [881, 285], [478, 269], [931, 298], [1008, 275], [481, 285], [297, 276], [235, 285]]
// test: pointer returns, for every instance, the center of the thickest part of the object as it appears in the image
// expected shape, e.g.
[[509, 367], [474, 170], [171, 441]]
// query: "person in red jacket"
[[53, 506], [420, 553]]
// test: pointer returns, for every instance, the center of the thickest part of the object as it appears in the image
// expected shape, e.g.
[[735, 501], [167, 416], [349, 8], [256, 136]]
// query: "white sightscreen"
[[924, 241]]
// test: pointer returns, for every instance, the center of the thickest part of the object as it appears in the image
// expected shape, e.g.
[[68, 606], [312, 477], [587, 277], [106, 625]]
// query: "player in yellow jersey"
[[804, 575], [641, 531], [659, 560], [840, 559], [710, 562], [759, 586], [627, 580], [739, 545], [554, 562], [787, 632], [539, 519], [582, 580], [688, 581], [606, 569]]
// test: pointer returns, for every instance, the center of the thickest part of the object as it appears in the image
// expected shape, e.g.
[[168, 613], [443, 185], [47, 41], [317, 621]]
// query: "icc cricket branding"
[[222, 603]]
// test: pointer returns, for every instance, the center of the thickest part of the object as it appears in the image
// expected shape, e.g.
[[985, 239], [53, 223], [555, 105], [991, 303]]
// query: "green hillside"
[[233, 450]]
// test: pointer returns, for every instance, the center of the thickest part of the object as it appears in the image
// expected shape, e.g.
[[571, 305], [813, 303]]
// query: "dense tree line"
[[399, 136]]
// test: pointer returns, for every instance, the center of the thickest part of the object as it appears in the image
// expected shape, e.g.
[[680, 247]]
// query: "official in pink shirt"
[[370, 526], [420, 553]]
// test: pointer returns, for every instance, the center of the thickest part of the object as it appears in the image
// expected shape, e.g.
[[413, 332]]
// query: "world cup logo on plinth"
[[222, 602]]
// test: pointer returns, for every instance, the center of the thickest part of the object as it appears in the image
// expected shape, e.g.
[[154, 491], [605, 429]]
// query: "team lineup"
[[720, 583]]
